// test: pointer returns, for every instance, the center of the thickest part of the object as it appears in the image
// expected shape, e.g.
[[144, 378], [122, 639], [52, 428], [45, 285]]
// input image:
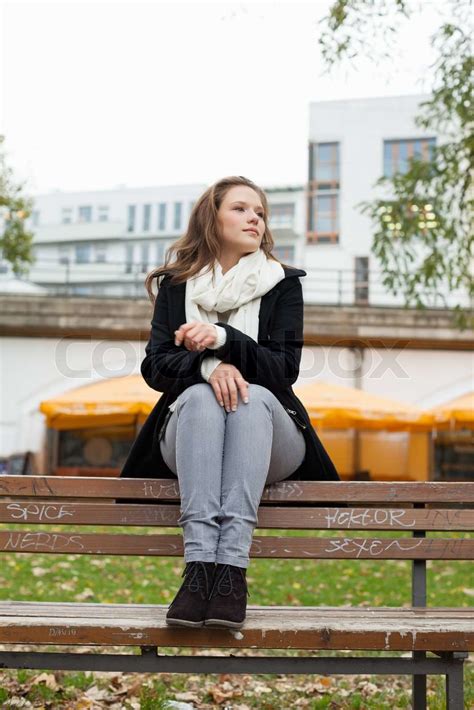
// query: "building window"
[[325, 165], [85, 213], [83, 253], [282, 215], [286, 254], [66, 215], [323, 193], [146, 217], [323, 218], [100, 253], [63, 255], [129, 258], [361, 280], [131, 212], [160, 253], [162, 216], [397, 153], [177, 215], [81, 290], [145, 255], [103, 213]]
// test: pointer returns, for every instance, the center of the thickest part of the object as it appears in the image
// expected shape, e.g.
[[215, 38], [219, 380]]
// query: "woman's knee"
[[261, 400], [261, 394], [200, 396]]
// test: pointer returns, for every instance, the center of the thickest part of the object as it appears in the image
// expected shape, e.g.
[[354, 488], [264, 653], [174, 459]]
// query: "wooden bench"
[[411, 509]]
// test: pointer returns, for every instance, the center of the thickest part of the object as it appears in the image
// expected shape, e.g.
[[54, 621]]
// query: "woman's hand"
[[226, 381], [195, 336]]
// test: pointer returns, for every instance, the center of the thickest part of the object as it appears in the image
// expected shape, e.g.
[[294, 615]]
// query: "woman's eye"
[[261, 215]]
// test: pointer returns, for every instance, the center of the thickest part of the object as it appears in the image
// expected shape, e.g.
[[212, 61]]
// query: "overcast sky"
[[98, 93]]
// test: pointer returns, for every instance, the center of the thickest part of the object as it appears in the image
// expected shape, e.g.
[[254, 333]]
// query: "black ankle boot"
[[227, 604], [189, 605]]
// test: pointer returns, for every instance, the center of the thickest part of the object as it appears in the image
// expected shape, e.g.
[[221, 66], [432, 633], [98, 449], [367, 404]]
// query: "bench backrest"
[[409, 508]]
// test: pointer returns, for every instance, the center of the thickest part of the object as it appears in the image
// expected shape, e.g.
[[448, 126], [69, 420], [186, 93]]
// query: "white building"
[[103, 243], [352, 143]]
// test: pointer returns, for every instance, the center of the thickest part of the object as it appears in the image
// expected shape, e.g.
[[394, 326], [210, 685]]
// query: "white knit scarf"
[[239, 291]]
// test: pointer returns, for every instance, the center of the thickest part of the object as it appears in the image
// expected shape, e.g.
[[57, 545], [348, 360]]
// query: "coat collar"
[[293, 271]]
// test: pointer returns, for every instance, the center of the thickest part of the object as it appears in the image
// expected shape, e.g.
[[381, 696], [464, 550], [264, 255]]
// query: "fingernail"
[[234, 409], [246, 399]]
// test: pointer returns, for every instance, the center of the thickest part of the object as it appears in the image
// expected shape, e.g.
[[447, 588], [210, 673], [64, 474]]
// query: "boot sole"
[[224, 623], [184, 622]]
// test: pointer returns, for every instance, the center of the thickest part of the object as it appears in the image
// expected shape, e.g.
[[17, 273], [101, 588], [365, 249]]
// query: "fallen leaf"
[[325, 681], [219, 694], [48, 679], [86, 594], [85, 704], [369, 688], [260, 688], [192, 697], [39, 571], [96, 694]]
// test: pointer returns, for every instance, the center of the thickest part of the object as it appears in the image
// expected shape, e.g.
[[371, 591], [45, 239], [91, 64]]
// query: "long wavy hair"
[[200, 245]]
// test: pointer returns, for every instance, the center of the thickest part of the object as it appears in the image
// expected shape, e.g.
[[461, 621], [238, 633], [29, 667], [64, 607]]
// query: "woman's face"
[[241, 210]]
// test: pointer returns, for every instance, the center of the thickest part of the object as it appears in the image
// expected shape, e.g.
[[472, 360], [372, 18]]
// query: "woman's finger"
[[226, 393], [200, 334], [243, 386], [232, 393], [215, 384]]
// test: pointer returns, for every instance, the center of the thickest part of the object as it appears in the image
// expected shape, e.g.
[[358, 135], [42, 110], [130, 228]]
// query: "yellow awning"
[[119, 400], [337, 407], [127, 400], [458, 412]]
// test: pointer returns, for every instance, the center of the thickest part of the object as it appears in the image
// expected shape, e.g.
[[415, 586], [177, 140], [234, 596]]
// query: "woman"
[[225, 348]]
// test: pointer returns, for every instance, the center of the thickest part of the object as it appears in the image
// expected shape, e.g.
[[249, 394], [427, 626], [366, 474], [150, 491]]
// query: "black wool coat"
[[273, 362]]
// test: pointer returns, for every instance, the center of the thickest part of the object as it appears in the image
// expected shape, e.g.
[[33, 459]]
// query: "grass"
[[110, 579]]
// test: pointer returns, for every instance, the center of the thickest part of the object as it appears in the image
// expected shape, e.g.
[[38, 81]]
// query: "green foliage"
[[423, 225], [15, 239], [351, 23]]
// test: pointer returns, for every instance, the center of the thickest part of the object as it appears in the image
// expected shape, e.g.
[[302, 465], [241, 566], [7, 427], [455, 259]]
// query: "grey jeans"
[[223, 460]]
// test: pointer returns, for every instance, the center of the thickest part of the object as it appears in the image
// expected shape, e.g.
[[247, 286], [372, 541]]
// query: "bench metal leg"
[[419, 692], [455, 687], [418, 686]]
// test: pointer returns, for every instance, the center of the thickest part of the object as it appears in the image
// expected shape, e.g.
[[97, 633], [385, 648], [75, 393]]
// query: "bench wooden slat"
[[262, 546], [266, 627], [291, 491], [44, 512], [88, 609]]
